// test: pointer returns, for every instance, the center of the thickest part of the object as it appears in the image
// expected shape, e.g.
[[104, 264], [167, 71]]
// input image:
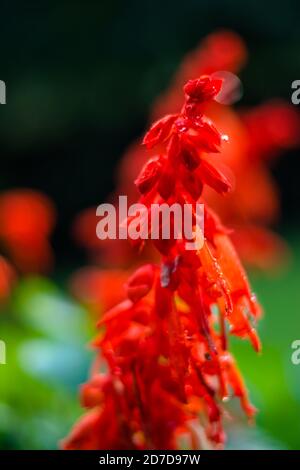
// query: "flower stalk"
[[164, 369]]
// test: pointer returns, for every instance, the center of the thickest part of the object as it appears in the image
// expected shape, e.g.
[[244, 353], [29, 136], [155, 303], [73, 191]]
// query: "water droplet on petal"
[[232, 89], [225, 138], [225, 399]]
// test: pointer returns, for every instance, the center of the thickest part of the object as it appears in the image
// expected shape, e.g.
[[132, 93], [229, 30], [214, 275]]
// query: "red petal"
[[203, 88], [120, 309], [83, 434], [190, 157], [140, 282], [207, 139], [160, 131], [213, 177], [166, 183], [192, 184], [149, 175]]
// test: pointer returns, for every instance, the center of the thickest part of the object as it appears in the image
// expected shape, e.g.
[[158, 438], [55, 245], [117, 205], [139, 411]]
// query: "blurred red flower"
[[27, 218]]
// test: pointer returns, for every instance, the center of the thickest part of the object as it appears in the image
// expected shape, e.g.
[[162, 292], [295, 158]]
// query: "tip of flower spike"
[[203, 88]]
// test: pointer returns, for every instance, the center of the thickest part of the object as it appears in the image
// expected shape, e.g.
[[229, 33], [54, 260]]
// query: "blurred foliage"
[[46, 336], [272, 378]]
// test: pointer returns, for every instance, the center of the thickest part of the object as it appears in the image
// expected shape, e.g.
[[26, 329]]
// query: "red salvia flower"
[[164, 347], [26, 221]]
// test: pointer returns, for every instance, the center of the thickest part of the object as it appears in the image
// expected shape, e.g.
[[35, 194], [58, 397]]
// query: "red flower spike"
[[173, 149], [165, 345]]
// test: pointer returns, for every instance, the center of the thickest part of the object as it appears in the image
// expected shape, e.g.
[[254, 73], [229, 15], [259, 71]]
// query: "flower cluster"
[[163, 370]]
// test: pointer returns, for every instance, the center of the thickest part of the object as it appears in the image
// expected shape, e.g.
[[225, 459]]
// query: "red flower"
[[99, 289], [7, 278], [26, 221], [165, 345]]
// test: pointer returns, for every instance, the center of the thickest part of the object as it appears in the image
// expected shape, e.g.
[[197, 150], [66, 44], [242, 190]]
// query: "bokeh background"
[[81, 78]]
